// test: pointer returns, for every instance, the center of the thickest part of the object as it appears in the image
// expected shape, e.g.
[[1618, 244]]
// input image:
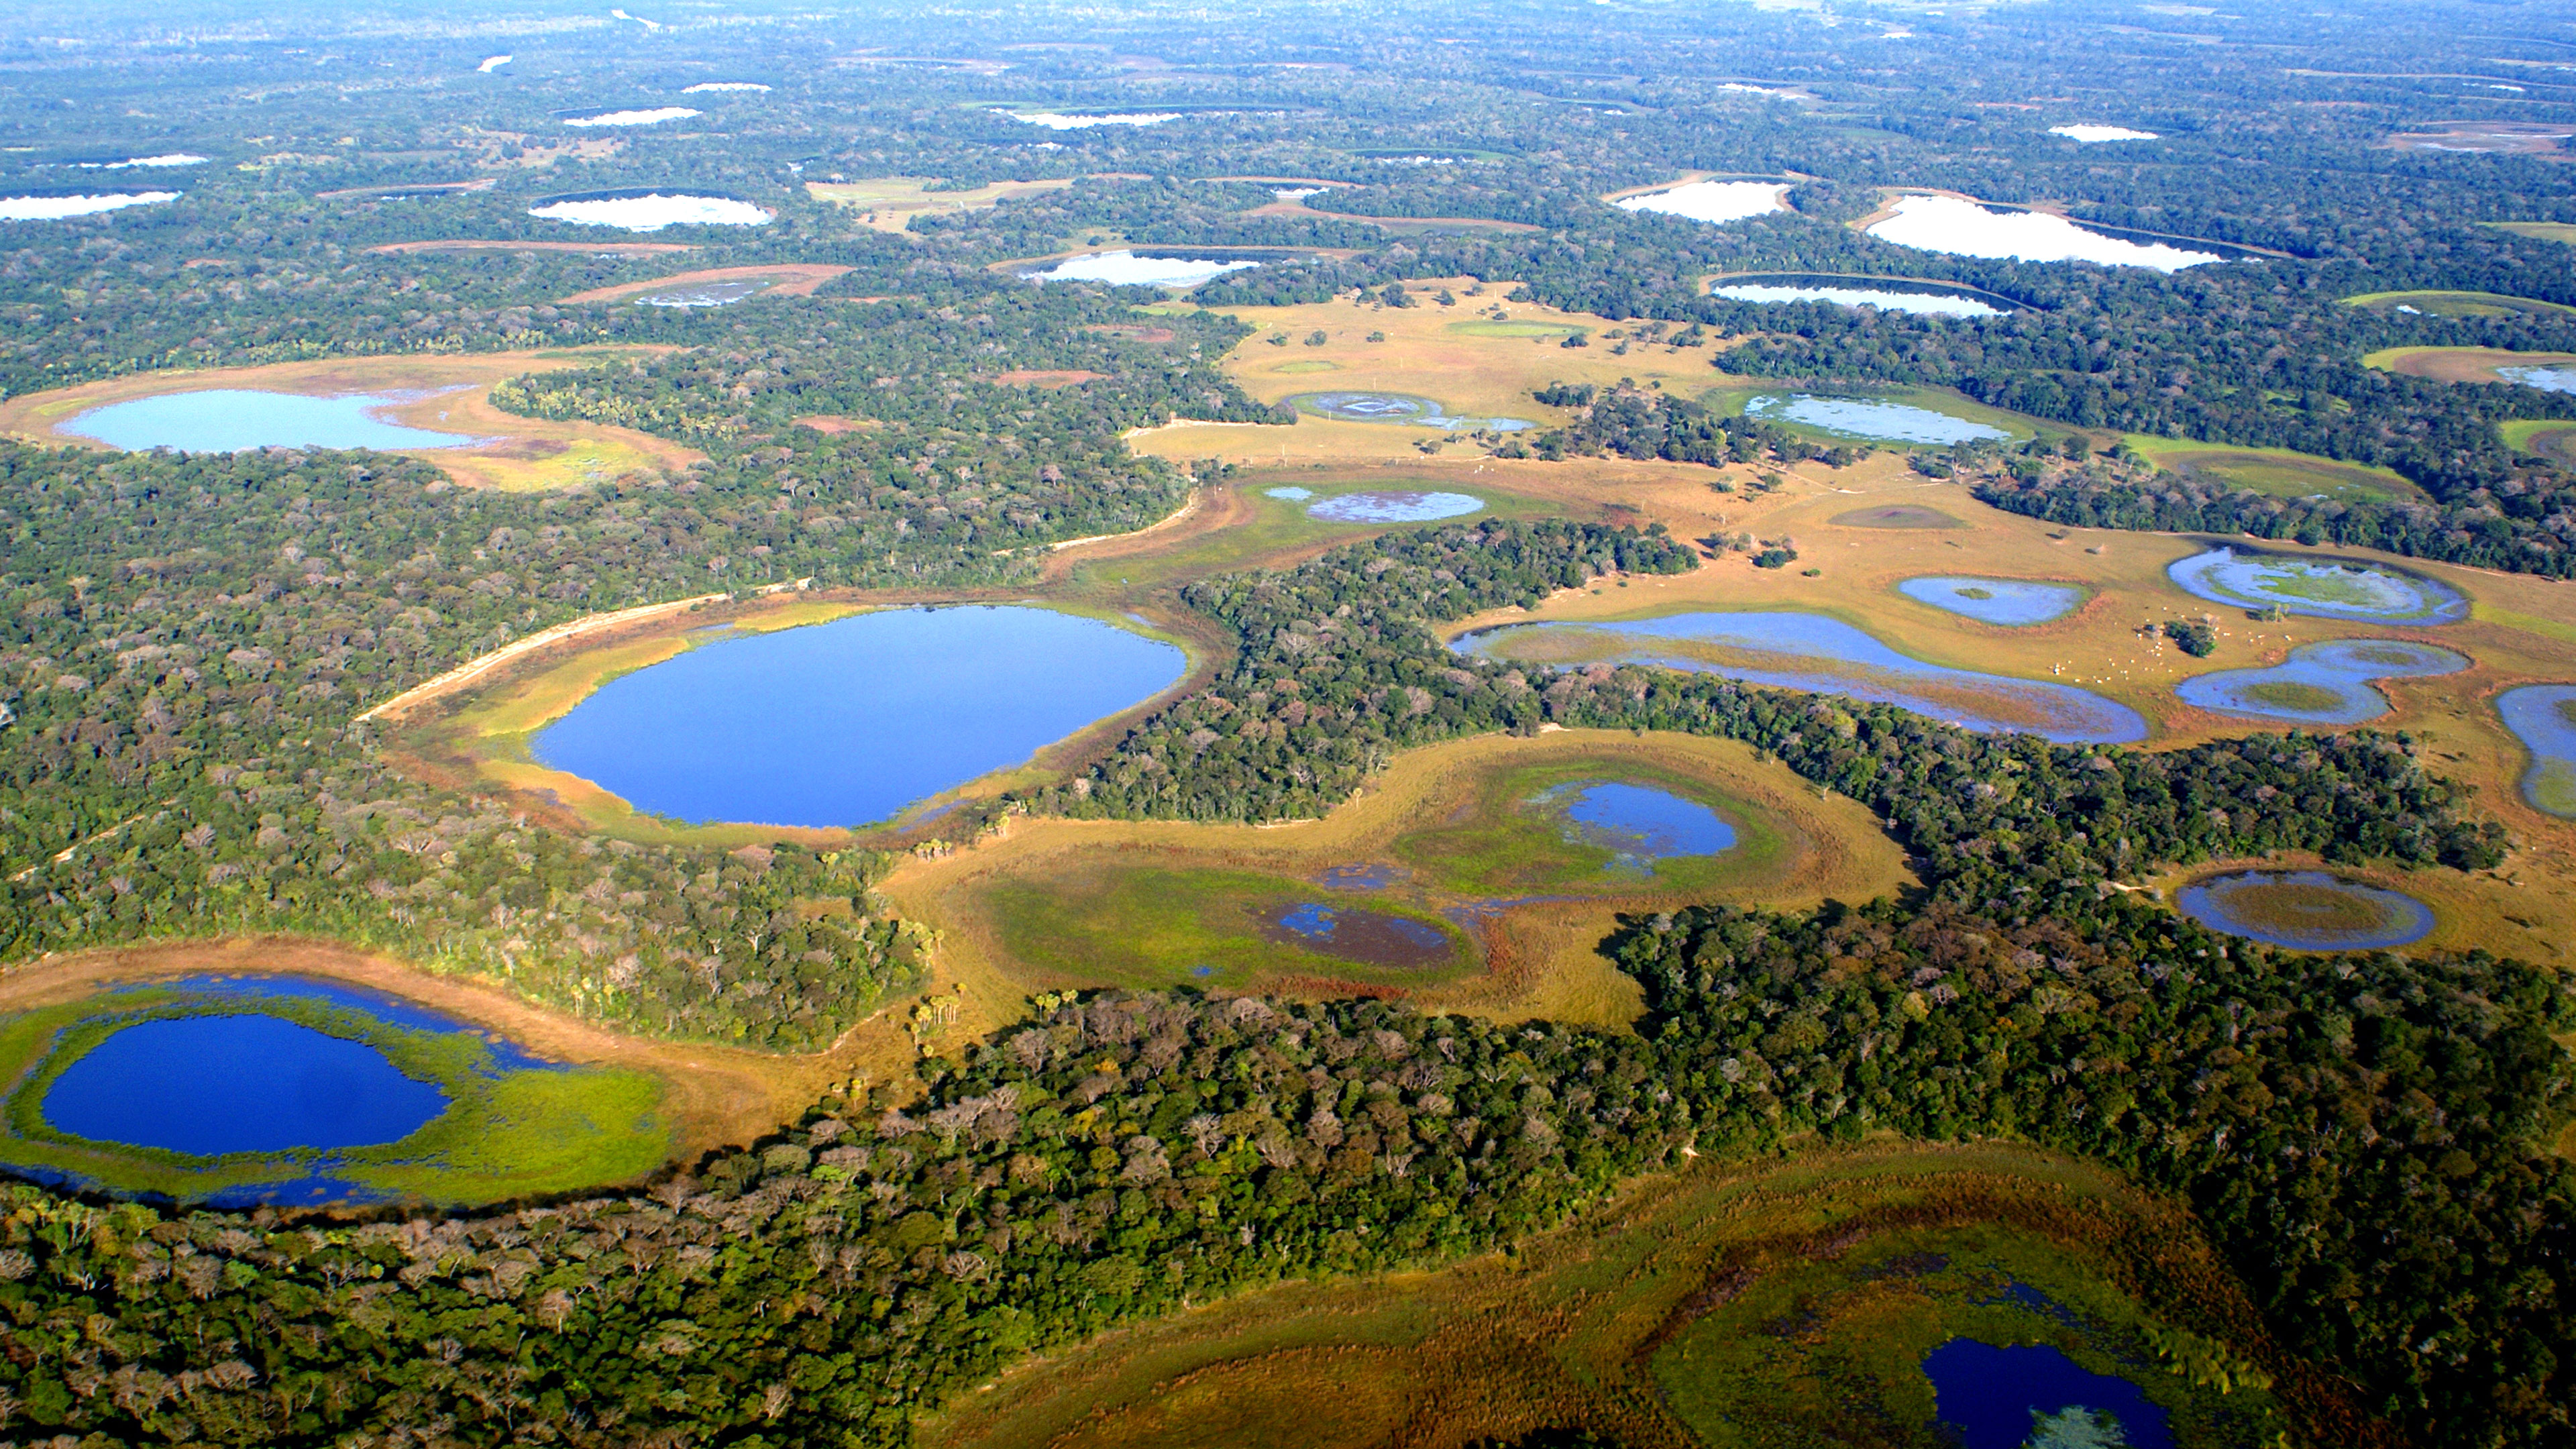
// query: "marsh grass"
[[1504, 842], [1151, 927]]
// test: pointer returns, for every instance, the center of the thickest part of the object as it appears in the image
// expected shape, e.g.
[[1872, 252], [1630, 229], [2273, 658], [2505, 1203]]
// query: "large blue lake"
[[849, 722], [250, 1083], [2543, 717], [1811, 651], [232, 420], [2006, 1398]]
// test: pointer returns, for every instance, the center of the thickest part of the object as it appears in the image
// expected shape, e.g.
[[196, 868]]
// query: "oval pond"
[[1870, 419], [2321, 588], [1813, 652], [1371, 938], [1140, 269], [1387, 506], [1637, 824], [1397, 407], [231, 420], [849, 722], [2320, 683], [2543, 717], [213, 1084], [2310, 910], [2007, 1398], [1995, 601], [653, 211]]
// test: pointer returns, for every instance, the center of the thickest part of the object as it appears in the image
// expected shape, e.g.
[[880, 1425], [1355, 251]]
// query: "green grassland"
[[1280, 528], [1488, 327], [2551, 438], [2557, 231], [1505, 843], [2460, 304], [1145, 926], [506, 1133], [2277, 472]]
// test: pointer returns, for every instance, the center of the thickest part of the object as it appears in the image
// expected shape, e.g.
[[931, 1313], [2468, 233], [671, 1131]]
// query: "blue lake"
[[251, 1083], [1397, 407], [847, 723], [1995, 601], [2320, 683], [1394, 507], [1996, 1398], [1638, 824], [1877, 422], [1293, 495], [2321, 588], [1810, 651], [2547, 379], [2543, 717], [231, 420], [2310, 910]]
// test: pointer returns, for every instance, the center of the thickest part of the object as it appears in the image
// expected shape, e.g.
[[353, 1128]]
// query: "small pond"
[[2543, 717], [706, 294], [2322, 588], [1637, 824], [2310, 910], [651, 116], [163, 161], [2034, 1395], [1293, 495], [206, 1085], [1711, 201], [847, 723], [1961, 228], [2320, 683], [653, 211], [56, 208], [709, 88], [1879, 422], [1394, 506], [1057, 121], [1396, 407], [1141, 269], [2547, 379], [1924, 299], [230, 420], [1995, 601], [2085, 134], [1371, 938], [1813, 652]]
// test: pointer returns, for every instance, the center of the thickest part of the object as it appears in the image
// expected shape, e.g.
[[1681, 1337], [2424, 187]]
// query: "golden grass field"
[[2557, 231], [791, 279], [449, 394], [2460, 364], [1567, 1330], [2459, 304], [889, 203]]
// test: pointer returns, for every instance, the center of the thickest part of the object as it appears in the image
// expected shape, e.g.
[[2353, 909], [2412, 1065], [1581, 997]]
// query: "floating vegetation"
[[1869, 418], [1372, 938], [2321, 588], [2320, 683], [2543, 717], [1996, 601], [2310, 910]]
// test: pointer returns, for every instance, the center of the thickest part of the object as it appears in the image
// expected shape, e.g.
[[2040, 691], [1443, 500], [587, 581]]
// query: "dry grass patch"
[[889, 203], [2461, 364], [794, 279]]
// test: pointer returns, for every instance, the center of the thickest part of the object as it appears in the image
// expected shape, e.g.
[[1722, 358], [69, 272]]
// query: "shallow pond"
[[1849, 292], [707, 88], [230, 420], [2310, 910], [1995, 601], [1396, 407], [1711, 201], [55, 208], [1813, 652], [2320, 683], [1961, 228], [1140, 269], [2322, 588], [2086, 134], [1879, 422], [2543, 717], [849, 722], [1394, 506], [1293, 495], [654, 211], [652, 116], [2547, 379], [706, 294], [206, 1085], [1372, 938], [2033, 1394], [1056, 121], [163, 161], [1638, 824]]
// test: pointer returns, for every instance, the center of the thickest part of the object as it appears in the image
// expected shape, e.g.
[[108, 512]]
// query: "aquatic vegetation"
[[1393, 407], [1870, 418], [1995, 601], [2324, 588], [823, 725], [2543, 717], [2320, 683], [1963, 228], [2006, 1397], [1372, 938], [228, 420], [1811, 651], [2309, 910]]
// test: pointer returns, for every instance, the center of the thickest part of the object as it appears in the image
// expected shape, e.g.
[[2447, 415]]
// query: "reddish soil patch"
[[798, 279], [1369, 937], [1033, 378], [608, 249], [1132, 331], [835, 423]]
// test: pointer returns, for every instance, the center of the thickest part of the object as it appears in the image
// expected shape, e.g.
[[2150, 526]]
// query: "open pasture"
[[2554, 439], [2277, 472], [1450, 836], [449, 395], [2459, 304], [2462, 364], [2557, 231], [792, 279], [889, 203], [1719, 1289]]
